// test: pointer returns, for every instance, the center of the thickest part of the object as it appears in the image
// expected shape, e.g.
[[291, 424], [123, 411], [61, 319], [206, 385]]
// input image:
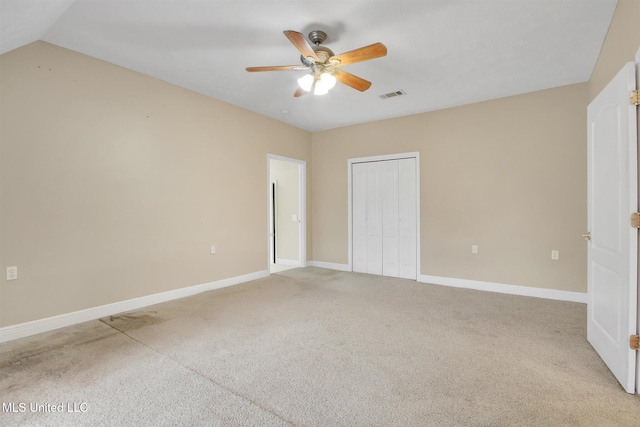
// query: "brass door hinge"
[[635, 220], [634, 342], [635, 97]]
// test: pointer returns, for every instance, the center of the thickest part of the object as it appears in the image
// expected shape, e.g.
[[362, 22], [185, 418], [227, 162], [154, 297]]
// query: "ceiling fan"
[[324, 64]]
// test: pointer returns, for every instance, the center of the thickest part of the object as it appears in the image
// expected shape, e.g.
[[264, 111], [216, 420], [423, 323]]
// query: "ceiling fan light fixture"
[[327, 80], [319, 90], [305, 82], [324, 84]]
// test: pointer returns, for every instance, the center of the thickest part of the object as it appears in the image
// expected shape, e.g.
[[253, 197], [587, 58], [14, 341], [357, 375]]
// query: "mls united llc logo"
[[44, 407]]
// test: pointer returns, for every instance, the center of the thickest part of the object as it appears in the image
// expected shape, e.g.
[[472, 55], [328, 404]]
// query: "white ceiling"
[[441, 53]]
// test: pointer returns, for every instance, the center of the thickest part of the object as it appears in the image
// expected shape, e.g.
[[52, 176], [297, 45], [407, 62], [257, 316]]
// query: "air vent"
[[393, 94]]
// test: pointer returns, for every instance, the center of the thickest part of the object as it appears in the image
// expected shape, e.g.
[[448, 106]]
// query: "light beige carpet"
[[321, 348]]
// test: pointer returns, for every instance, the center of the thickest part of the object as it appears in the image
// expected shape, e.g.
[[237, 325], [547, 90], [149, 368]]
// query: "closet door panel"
[[390, 227], [374, 218], [407, 209], [359, 216]]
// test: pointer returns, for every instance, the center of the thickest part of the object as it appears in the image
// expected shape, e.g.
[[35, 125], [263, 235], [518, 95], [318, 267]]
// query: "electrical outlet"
[[12, 273], [555, 255], [474, 249], [213, 249]]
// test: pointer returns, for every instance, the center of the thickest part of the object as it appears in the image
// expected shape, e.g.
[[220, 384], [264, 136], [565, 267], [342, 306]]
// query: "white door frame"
[[350, 162], [638, 311], [302, 209]]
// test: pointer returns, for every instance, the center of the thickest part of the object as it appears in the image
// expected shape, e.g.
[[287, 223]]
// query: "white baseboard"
[[502, 288], [22, 330], [329, 265], [528, 291], [289, 262]]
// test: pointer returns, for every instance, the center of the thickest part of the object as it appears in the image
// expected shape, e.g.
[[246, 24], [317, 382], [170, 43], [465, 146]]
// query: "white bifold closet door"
[[384, 218]]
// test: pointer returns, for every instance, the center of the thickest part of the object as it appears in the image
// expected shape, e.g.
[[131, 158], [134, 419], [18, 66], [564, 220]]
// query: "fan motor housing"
[[317, 37]]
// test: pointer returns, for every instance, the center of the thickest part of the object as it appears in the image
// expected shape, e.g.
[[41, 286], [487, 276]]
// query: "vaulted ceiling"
[[441, 53]]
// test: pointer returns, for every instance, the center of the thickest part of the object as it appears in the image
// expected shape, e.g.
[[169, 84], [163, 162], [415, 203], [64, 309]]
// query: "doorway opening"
[[287, 213]]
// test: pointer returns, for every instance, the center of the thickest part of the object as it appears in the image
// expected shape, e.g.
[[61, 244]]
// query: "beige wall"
[[113, 185], [287, 236], [508, 175], [620, 45]]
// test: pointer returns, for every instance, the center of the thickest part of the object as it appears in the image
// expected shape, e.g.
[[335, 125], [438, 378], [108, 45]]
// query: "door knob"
[[587, 236]]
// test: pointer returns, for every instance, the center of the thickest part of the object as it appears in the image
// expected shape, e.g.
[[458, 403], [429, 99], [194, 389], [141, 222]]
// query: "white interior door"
[[374, 217], [359, 216], [612, 250], [390, 219], [407, 205], [384, 212]]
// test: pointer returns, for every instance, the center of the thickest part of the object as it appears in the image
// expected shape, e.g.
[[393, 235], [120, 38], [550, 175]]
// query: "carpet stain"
[[132, 321], [56, 355], [29, 356]]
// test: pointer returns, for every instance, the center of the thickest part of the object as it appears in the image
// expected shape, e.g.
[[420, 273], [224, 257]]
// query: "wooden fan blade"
[[301, 43], [372, 51], [355, 82], [276, 68]]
